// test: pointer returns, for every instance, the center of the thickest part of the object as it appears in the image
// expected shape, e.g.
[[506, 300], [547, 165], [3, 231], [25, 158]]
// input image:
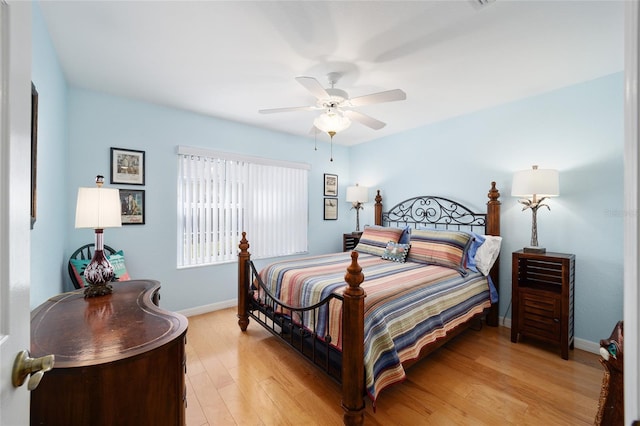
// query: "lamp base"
[[95, 290], [98, 273], [537, 250]]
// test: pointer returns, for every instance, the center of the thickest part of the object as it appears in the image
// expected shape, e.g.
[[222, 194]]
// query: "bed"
[[411, 285]]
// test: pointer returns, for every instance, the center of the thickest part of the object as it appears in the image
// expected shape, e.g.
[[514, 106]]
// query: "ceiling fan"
[[337, 105]]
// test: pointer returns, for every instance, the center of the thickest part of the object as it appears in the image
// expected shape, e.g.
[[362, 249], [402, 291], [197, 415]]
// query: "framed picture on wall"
[[330, 209], [132, 206], [127, 166], [330, 185]]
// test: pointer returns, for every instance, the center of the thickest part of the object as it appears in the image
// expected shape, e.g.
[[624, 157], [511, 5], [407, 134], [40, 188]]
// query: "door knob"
[[25, 365]]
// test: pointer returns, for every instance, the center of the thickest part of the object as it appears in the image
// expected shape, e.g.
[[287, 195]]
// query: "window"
[[222, 194]]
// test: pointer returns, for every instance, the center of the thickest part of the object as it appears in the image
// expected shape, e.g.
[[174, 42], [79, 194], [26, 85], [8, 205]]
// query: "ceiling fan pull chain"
[[331, 134], [331, 149]]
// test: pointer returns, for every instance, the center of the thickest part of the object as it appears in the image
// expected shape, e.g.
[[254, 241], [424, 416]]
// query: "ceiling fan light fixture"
[[331, 122]]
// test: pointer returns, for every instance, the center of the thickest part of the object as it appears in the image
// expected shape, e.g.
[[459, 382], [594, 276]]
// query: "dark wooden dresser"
[[119, 359]]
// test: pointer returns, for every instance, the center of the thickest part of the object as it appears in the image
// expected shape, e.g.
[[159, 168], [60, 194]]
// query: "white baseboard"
[[581, 344], [204, 309], [586, 345], [505, 322]]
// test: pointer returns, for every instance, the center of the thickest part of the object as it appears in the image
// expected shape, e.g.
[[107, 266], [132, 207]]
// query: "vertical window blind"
[[222, 194]]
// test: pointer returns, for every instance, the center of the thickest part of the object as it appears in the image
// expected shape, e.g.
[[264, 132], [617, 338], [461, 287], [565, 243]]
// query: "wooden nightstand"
[[350, 240], [542, 292]]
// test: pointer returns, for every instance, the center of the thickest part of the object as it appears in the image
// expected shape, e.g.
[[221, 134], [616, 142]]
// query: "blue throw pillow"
[[476, 242], [405, 238], [117, 261]]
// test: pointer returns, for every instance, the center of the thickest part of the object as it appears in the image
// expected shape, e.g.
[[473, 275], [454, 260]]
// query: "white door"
[[15, 149], [632, 218]]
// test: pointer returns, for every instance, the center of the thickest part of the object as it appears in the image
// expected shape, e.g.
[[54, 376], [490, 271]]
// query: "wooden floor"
[[480, 378]]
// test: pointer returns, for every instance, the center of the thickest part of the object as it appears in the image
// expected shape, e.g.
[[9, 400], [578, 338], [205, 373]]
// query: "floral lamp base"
[[95, 290], [98, 274]]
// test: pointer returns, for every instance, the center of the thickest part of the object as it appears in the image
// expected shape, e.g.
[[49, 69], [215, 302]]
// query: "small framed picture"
[[127, 166], [132, 206], [330, 209], [330, 185]]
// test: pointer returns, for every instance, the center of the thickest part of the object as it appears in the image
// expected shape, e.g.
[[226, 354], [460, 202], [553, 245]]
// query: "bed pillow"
[[405, 238], [396, 252], [374, 239], [117, 261], [487, 253], [476, 241], [440, 247], [119, 267]]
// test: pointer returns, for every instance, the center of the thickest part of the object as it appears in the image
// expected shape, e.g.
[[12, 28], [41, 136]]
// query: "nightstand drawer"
[[350, 240], [540, 315]]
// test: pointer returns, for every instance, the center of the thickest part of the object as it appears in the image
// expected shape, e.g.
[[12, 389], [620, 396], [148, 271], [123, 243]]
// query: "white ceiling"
[[230, 58]]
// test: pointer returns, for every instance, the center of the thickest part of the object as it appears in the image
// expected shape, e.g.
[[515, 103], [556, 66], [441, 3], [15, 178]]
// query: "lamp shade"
[[357, 194], [331, 122], [98, 208], [539, 182]]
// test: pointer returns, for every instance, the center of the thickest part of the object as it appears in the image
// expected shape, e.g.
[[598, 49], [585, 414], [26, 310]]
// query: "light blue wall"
[[577, 130], [48, 237], [99, 122]]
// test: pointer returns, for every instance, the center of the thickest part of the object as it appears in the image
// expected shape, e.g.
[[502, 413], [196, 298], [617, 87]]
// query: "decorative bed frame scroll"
[[347, 366]]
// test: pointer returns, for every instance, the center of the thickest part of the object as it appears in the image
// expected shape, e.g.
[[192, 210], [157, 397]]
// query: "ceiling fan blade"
[[288, 109], [376, 98], [313, 86], [364, 119]]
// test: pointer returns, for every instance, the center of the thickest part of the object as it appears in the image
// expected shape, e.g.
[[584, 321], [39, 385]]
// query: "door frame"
[[15, 217], [631, 217]]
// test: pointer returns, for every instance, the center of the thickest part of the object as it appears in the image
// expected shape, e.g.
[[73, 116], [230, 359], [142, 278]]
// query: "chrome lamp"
[[98, 208], [357, 196], [534, 186]]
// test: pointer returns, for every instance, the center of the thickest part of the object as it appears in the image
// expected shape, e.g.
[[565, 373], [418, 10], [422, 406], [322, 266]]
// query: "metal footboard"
[[288, 323]]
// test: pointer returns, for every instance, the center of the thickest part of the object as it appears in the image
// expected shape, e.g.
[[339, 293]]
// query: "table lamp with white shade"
[[98, 208], [534, 186], [357, 196]]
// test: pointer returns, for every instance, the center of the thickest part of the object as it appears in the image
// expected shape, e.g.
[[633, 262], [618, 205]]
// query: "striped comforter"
[[408, 305]]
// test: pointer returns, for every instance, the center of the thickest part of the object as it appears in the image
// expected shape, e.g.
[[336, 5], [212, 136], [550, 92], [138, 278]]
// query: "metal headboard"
[[436, 212]]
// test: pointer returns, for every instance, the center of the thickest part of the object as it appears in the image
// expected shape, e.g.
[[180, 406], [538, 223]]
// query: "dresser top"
[[103, 329]]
